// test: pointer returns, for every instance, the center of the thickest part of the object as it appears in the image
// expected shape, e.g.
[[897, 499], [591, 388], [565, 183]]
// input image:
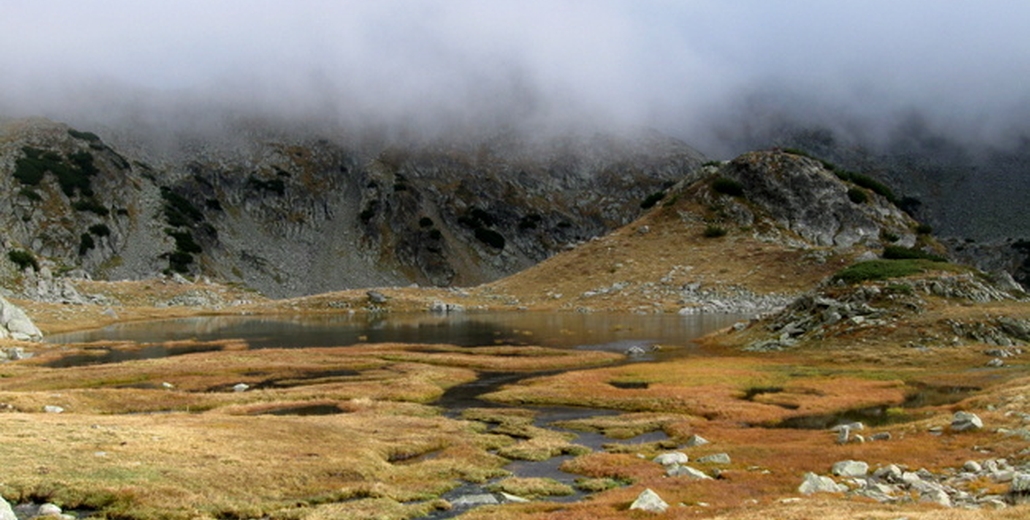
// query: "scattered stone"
[[376, 297], [649, 501], [6, 512], [240, 387], [813, 483], [167, 386], [680, 470], [850, 468], [1020, 483], [480, 499], [965, 421], [671, 458], [881, 436], [49, 509], [936, 495], [635, 351], [53, 409], [715, 458], [843, 435], [512, 499], [972, 466], [995, 363], [696, 440]]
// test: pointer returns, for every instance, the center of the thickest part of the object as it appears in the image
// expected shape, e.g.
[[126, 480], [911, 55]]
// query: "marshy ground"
[[170, 438]]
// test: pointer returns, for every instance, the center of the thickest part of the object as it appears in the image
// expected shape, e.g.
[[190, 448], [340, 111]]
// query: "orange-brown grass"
[[529, 442], [713, 388], [180, 466]]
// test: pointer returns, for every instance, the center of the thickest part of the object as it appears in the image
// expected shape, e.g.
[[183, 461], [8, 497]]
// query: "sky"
[[698, 70]]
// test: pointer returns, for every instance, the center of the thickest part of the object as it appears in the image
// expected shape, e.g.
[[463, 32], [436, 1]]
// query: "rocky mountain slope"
[[301, 215], [746, 236]]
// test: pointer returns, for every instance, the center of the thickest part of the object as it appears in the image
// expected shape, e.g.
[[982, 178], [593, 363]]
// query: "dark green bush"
[[857, 195], [425, 222], [490, 237], [85, 243], [276, 186], [369, 211], [100, 230], [435, 234], [713, 231], [184, 242], [908, 253], [652, 199], [92, 205], [530, 221], [30, 194], [924, 229], [179, 211], [86, 136], [23, 259], [881, 270], [889, 237], [179, 262], [874, 185], [727, 186]]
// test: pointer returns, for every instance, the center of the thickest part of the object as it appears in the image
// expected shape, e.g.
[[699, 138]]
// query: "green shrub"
[[91, 205], [858, 196], [712, 163], [924, 229], [652, 199], [30, 194], [184, 242], [490, 237], [713, 231], [909, 253], [882, 270], [425, 222], [85, 243], [23, 259], [179, 262], [889, 237], [100, 230], [530, 221], [86, 136], [179, 211], [727, 186], [276, 186], [874, 185]]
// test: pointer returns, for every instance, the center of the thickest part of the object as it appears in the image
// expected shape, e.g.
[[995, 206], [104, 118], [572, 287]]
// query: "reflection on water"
[[615, 332]]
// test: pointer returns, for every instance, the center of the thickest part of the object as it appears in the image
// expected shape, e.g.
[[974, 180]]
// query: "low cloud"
[[705, 71]]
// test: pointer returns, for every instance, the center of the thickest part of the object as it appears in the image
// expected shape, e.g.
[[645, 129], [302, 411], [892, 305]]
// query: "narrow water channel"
[[609, 332]]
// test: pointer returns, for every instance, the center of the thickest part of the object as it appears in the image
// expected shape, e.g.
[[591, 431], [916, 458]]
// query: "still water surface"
[[562, 330]]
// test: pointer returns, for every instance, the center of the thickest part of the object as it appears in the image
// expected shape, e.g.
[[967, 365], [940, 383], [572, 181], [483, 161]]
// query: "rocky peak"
[[803, 196]]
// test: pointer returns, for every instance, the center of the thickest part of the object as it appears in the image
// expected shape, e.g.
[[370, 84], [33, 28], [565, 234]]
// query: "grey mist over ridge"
[[428, 68]]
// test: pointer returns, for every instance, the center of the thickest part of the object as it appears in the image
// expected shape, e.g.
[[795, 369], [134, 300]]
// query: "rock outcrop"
[[15, 324], [306, 213]]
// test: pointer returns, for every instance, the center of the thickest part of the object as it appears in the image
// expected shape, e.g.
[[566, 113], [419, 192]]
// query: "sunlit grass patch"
[[624, 426], [532, 487]]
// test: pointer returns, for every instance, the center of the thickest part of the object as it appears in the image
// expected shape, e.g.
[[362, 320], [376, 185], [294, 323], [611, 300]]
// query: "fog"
[[713, 73]]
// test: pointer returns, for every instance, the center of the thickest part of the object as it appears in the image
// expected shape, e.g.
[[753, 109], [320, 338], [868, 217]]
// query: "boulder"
[[49, 509], [6, 512], [649, 501], [1020, 483], [671, 458], [966, 421], [480, 499], [696, 440], [715, 458], [240, 387], [680, 470], [813, 483], [376, 297], [850, 468]]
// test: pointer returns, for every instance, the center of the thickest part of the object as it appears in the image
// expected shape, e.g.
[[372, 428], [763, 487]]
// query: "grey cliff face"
[[290, 216], [801, 195]]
